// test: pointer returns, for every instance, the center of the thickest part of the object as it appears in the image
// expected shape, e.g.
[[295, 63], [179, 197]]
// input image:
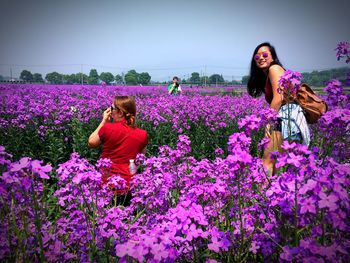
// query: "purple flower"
[[309, 186], [41, 170], [22, 163], [27, 183], [343, 50], [295, 160], [251, 122], [290, 81], [219, 151], [4, 156], [288, 253], [104, 163], [335, 93], [308, 205], [328, 201]]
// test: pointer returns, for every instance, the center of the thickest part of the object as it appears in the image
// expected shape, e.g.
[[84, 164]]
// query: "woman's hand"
[[107, 114]]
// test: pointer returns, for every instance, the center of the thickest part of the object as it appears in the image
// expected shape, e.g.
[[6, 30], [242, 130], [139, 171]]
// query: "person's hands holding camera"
[[107, 114]]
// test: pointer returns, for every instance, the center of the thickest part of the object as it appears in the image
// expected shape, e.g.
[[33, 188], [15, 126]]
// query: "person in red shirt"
[[121, 140]]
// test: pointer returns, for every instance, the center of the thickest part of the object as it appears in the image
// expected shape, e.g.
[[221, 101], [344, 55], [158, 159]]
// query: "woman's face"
[[263, 58], [116, 113]]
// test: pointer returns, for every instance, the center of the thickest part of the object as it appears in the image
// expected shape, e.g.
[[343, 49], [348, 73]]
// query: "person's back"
[[121, 143], [121, 140]]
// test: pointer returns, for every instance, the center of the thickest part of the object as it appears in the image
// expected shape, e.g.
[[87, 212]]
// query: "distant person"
[[265, 72], [121, 140], [174, 88]]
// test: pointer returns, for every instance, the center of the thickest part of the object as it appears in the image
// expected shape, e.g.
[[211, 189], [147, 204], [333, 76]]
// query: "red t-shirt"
[[120, 144]]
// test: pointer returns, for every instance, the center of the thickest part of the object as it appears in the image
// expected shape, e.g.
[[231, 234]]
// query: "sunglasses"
[[114, 108], [264, 54]]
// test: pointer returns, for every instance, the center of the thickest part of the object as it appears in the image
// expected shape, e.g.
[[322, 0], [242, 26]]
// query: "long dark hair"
[[177, 83], [257, 78]]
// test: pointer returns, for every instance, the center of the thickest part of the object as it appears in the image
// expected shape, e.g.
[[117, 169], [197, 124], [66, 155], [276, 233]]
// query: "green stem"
[[138, 215], [107, 247], [37, 223], [266, 234], [296, 218], [194, 253], [90, 225], [240, 216], [323, 228], [16, 230], [9, 234]]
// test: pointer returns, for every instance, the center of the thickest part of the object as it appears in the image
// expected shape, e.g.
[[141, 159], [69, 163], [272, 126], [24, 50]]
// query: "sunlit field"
[[201, 193]]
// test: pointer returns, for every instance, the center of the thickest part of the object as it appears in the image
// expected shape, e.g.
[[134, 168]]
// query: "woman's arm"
[[94, 140], [275, 73]]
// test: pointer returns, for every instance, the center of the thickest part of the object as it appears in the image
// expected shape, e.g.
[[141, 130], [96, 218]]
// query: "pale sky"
[[167, 38]]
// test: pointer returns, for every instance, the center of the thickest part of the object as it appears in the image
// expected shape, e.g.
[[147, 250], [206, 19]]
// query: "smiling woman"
[[265, 73]]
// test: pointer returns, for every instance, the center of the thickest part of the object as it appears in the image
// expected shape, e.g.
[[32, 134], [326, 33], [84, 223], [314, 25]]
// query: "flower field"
[[201, 193]]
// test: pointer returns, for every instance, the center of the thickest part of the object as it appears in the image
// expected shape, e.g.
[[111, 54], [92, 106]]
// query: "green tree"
[[144, 78], [76, 78], [131, 78], [319, 78], [118, 79], [26, 76], [315, 81], [54, 78], [1, 78], [107, 77], [66, 79], [70, 79], [195, 78], [93, 77], [38, 78], [216, 78], [204, 80], [81, 77]]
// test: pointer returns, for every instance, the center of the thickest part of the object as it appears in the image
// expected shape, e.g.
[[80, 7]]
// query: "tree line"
[[132, 77], [319, 78], [213, 79]]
